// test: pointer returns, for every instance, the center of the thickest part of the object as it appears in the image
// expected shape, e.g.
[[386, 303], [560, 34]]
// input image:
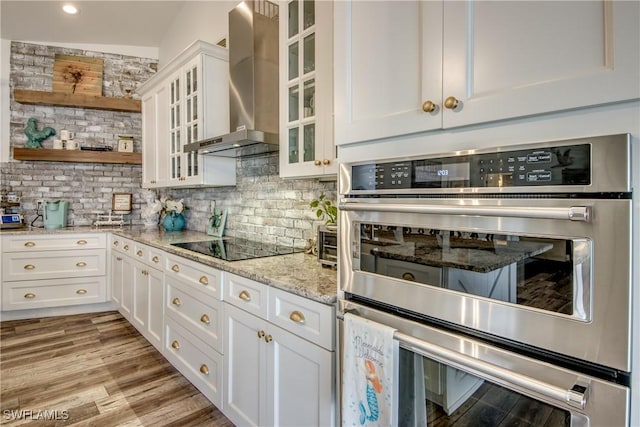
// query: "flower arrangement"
[[165, 206]]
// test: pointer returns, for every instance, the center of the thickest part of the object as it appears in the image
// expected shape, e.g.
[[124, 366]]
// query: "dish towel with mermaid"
[[369, 373]]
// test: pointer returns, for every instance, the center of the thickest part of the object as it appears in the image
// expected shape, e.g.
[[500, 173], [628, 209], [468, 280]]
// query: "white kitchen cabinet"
[[397, 63], [53, 270], [306, 89], [273, 376], [186, 101]]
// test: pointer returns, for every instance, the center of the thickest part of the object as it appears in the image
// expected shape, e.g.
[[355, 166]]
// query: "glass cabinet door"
[[175, 142], [301, 57], [191, 119]]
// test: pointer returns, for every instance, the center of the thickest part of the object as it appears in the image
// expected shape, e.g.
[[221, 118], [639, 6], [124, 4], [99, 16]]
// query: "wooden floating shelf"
[[37, 97], [76, 156]]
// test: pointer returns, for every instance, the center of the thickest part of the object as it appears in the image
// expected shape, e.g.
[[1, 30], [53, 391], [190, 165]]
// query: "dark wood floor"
[[92, 370]]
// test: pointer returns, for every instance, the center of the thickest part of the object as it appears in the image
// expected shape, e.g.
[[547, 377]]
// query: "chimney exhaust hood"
[[253, 84]]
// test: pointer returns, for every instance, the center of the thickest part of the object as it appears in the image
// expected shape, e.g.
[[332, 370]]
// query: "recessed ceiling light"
[[70, 9]]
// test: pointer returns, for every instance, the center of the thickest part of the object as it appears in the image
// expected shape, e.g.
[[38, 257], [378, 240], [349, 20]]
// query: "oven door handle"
[[573, 213], [575, 396]]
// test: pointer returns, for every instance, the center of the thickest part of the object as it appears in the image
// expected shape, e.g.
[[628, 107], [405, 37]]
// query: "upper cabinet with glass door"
[[306, 89], [196, 107]]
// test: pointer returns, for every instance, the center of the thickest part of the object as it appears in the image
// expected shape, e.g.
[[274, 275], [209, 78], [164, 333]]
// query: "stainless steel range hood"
[[253, 84]]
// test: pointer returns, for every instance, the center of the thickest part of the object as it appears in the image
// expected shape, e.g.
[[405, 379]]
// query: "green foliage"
[[325, 209]]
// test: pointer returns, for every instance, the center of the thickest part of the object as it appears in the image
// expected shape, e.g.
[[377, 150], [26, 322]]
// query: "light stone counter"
[[298, 273]]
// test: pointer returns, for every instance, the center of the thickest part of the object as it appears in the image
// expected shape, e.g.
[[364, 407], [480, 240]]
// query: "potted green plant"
[[325, 209]]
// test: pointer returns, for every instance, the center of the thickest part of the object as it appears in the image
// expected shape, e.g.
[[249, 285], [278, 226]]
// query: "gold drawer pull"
[[204, 280], [116, 243], [118, 258], [175, 345], [245, 296], [81, 291], [204, 369], [408, 276], [155, 259], [29, 295], [260, 334], [297, 317], [81, 242], [268, 338], [176, 301], [175, 267], [30, 244], [205, 319], [139, 253], [125, 247], [81, 264], [29, 267]]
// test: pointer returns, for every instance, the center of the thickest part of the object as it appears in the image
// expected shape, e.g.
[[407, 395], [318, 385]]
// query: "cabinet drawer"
[[202, 277], [246, 294], [50, 242], [308, 319], [53, 264], [199, 363], [199, 313], [53, 293], [122, 244], [150, 256]]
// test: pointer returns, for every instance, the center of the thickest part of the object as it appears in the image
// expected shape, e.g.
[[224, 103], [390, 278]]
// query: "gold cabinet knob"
[[245, 296], [81, 264], [204, 369], [205, 319], [139, 253], [326, 162], [29, 267], [81, 242], [451, 103], [155, 259], [125, 247], [176, 301], [175, 344], [268, 338], [409, 276], [204, 280], [297, 317], [29, 244], [81, 291], [260, 334], [29, 295], [317, 163], [116, 243], [428, 107], [175, 267]]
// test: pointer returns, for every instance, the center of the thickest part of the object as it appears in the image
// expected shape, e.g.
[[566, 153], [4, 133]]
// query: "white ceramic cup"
[[66, 135], [58, 144], [73, 145], [13, 198]]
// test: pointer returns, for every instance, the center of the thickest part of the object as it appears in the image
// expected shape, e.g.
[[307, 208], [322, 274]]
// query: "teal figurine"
[[35, 136], [174, 221]]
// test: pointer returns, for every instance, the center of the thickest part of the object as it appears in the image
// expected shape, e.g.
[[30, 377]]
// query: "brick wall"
[[261, 206]]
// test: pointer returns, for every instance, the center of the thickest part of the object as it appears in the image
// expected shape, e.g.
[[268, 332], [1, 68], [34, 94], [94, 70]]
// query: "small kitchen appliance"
[[328, 245], [11, 220], [55, 214]]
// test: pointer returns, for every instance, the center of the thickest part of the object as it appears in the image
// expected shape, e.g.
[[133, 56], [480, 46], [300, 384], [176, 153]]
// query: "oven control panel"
[[547, 166]]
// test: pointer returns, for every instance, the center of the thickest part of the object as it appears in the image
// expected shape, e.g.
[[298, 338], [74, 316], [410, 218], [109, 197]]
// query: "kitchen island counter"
[[298, 273]]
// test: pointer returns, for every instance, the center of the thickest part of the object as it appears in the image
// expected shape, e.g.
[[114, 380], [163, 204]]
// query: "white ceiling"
[[128, 23]]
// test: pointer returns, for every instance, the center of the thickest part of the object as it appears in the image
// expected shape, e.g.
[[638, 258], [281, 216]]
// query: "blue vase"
[[174, 222]]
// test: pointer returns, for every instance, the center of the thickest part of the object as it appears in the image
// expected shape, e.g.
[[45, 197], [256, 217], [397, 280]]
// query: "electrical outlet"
[[212, 206]]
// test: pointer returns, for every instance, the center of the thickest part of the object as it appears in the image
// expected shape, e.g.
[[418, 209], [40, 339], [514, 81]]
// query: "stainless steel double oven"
[[507, 275]]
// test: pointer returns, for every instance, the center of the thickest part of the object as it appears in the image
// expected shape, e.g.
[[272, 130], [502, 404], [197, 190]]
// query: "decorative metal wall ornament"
[[35, 136]]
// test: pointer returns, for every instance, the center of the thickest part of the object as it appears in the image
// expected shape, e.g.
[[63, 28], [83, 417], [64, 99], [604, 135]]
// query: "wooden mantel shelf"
[[80, 101], [76, 156]]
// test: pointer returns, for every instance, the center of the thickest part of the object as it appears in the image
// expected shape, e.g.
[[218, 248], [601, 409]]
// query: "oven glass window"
[[537, 272], [434, 394]]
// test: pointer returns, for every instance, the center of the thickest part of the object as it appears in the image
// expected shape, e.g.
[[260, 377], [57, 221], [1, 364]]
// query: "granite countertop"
[[467, 254], [297, 273]]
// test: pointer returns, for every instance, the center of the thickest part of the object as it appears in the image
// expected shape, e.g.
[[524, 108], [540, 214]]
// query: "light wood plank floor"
[[94, 370]]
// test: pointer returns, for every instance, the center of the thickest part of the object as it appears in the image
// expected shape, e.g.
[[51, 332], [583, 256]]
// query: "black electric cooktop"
[[237, 249]]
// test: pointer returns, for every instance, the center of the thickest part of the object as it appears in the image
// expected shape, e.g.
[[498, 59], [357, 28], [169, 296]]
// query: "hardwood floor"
[[92, 370]]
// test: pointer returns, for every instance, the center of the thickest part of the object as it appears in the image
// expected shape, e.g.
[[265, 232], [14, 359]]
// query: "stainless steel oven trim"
[[613, 173], [604, 339], [604, 403]]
